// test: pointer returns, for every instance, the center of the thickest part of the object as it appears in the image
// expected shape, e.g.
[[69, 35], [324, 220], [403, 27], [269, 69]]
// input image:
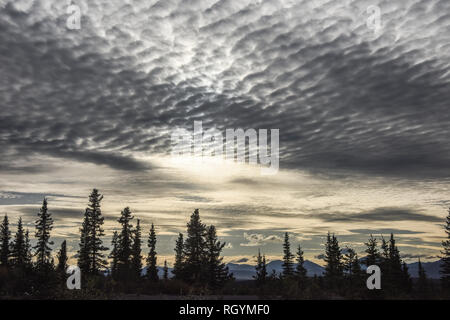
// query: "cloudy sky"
[[361, 102]]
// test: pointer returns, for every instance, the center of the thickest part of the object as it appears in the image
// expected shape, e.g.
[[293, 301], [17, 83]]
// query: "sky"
[[360, 100]]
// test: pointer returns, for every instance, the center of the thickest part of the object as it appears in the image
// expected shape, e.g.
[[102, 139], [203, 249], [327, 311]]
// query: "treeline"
[[24, 269], [27, 270], [344, 275]]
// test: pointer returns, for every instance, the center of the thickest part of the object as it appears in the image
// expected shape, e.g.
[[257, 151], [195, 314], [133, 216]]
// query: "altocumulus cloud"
[[257, 239], [343, 97]]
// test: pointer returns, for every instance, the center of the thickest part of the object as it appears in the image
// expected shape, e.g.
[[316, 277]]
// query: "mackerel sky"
[[363, 115]]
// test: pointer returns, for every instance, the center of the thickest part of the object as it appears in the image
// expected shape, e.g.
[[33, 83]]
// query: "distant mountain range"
[[247, 271]]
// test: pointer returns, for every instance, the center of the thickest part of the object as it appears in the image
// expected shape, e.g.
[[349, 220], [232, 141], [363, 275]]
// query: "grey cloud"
[[21, 198], [342, 99], [379, 214], [383, 231], [57, 212]]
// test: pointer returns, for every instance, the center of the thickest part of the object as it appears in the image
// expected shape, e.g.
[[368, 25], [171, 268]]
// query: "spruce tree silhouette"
[[260, 268], [288, 257], [62, 258], [91, 259], [113, 256], [216, 270], [152, 268], [300, 270], [333, 259], [373, 255], [194, 249], [84, 262], [19, 250], [124, 245], [136, 257], [44, 225], [5, 237], [178, 266]]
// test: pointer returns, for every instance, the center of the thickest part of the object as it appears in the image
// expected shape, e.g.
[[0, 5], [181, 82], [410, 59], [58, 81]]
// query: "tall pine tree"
[[300, 270], [84, 262], [179, 258], [194, 248], [114, 255], [261, 270], [351, 263], [333, 259], [125, 245], [44, 225], [136, 257], [216, 271], [19, 250], [5, 237], [96, 248], [90, 255], [288, 257], [152, 269], [28, 254], [396, 273], [373, 256], [384, 259], [62, 258]]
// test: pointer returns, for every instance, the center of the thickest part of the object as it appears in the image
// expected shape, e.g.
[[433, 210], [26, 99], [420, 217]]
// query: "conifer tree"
[[5, 237], [84, 262], [136, 257], [152, 269], [351, 262], [373, 256], [124, 245], [261, 271], [90, 255], [28, 255], [216, 270], [300, 270], [384, 260], [445, 266], [95, 246], [179, 258], [62, 258], [165, 271], [396, 274], [44, 225], [333, 259], [288, 257], [114, 255], [194, 248], [19, 250]]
